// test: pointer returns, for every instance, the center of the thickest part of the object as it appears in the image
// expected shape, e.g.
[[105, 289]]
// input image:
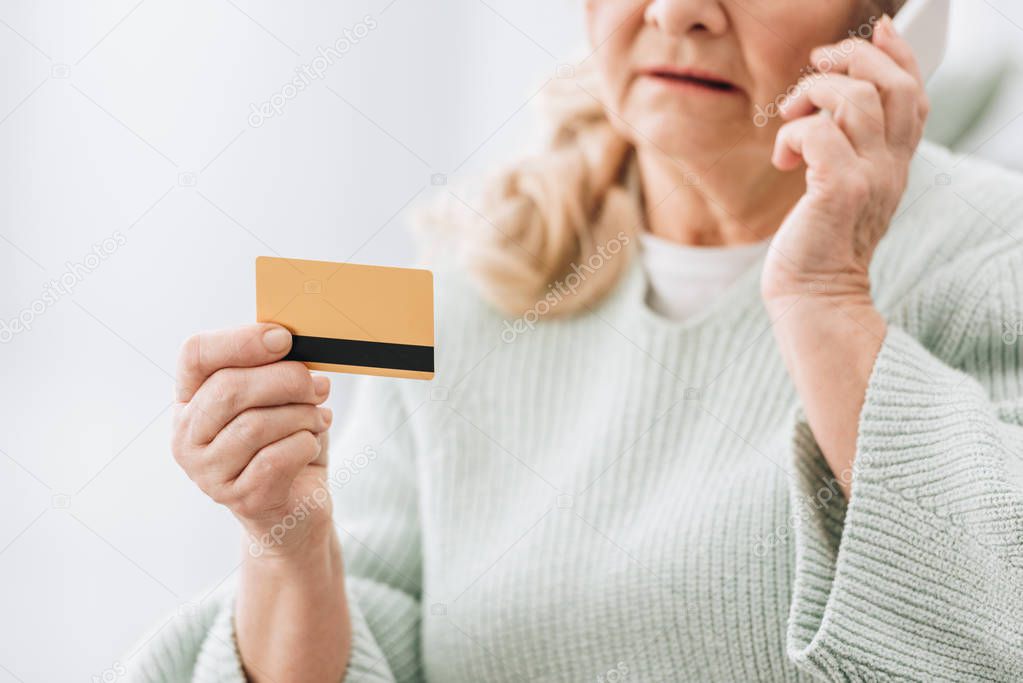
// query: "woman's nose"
[[680, 17]]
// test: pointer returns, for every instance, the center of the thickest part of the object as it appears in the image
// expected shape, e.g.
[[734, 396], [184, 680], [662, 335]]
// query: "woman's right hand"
[[250, 432]]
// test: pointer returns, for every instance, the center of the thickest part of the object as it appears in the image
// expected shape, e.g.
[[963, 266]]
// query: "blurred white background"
[[131, 121]]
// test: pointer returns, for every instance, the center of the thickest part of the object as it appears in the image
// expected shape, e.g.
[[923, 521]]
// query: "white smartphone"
[[924, 25]]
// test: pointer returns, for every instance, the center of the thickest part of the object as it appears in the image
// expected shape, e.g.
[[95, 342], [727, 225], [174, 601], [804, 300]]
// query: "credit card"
[[346, 317]]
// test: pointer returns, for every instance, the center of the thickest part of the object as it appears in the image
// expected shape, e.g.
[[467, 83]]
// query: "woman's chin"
[[687, 139]]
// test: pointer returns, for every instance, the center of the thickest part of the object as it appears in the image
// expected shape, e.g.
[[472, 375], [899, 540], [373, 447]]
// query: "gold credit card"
[[345, 317]]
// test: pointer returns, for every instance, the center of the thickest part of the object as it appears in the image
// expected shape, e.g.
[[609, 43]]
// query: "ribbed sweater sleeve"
[[920, 576], [373, 484]]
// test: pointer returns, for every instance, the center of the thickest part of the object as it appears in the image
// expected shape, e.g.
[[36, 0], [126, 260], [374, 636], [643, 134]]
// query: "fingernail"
[[327, 414], [886, 24], [276, 339], [321, 385]]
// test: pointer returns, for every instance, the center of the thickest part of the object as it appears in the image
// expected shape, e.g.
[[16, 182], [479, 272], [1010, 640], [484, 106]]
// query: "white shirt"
[[683, 279]]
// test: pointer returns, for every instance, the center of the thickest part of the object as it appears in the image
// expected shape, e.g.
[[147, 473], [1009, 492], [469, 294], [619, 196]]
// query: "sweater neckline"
[[738, 301]]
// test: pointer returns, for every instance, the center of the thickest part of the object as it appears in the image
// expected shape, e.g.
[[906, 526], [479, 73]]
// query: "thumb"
[[240, 347]]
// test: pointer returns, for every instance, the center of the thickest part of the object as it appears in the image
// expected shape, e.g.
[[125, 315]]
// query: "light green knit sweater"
[[618, 497]]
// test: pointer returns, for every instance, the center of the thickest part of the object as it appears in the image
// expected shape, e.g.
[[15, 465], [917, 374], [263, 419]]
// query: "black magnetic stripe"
[[364, 354]]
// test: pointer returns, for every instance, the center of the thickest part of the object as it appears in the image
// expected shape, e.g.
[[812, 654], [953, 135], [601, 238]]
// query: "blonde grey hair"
[[539, 218]]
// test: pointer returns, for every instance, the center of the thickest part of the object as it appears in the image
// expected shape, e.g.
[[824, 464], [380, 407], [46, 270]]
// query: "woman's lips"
[[691, 79]]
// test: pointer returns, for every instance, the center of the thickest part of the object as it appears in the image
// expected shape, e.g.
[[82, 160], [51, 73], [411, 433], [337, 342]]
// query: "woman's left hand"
[[857, 163]]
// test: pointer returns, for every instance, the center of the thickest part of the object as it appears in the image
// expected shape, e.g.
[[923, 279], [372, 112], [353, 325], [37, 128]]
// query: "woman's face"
[[698, 78]]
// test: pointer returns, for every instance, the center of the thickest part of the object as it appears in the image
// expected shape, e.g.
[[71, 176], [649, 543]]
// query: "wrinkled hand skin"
[[856, 158]]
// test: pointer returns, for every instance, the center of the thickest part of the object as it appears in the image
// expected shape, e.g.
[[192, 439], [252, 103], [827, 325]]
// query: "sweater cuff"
[[917, 576], [201, 646], [218, 659], [367, 664], [197, 644]]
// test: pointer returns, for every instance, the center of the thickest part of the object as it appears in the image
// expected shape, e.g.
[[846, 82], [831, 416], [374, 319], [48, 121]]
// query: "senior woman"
[[718, 398]]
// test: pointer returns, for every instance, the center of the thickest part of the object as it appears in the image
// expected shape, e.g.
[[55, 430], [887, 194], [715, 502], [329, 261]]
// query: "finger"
[[895, 46], [242, 347], [815, 140], [231, 391], [854, 104], [901, 92], [237, 443], [264, 484]]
